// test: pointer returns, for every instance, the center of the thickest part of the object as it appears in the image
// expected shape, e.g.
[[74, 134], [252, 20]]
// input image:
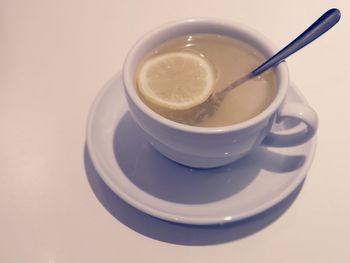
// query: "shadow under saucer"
[[182, 234]]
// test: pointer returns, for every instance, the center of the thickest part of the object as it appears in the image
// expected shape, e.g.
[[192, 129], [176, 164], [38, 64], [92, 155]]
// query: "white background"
[[55, 56]]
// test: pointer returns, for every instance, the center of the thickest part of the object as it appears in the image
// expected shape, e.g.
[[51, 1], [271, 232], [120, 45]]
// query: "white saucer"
[[155, 185]]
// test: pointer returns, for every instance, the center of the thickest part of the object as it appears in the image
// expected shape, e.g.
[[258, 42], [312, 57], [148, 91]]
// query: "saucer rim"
[[173, 217]]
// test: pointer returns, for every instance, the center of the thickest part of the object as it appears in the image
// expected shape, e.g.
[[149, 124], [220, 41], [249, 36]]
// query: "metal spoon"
[[319, 27]]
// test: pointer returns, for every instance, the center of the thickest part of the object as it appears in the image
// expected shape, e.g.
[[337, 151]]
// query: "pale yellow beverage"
[[230, 59]]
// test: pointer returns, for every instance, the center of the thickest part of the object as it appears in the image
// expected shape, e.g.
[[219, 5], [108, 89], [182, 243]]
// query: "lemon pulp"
[[177, 80]]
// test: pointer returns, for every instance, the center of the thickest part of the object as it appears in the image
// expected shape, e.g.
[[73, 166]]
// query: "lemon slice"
[[177, 80]]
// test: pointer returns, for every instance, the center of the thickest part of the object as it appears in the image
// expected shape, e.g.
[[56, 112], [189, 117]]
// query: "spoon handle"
[[320, 26]]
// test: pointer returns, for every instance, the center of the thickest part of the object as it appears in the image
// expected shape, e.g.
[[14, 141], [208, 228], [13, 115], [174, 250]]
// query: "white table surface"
[[55, 56]]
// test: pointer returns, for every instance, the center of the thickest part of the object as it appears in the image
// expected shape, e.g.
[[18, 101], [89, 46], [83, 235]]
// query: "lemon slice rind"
[[177, 80]]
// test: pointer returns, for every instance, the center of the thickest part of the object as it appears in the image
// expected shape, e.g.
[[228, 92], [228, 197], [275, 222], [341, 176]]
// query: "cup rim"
[[281, 71]]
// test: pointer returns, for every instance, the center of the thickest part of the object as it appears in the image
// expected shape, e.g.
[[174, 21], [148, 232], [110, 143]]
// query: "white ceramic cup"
[[211, 147]]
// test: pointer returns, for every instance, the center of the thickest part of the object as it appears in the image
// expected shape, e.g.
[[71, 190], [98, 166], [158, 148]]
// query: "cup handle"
[[305, 130]]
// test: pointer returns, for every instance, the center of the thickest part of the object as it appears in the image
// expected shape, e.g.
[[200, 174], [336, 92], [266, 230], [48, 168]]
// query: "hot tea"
[[230, 59]]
